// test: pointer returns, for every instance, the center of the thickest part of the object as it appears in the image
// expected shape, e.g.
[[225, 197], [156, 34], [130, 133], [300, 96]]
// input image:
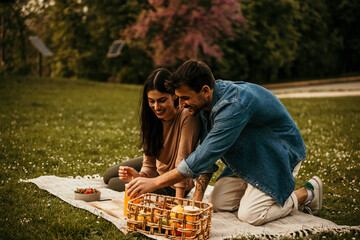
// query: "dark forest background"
[[262, 41]]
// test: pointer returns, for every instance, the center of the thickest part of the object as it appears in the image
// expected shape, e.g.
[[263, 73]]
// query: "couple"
[[252, 133]]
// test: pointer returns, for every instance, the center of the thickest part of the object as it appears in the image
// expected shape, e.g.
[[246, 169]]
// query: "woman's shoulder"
[[186, 116], [184, 113]]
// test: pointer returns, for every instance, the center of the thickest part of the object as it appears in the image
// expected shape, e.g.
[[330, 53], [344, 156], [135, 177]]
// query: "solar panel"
[[40, 46], [115, 48]]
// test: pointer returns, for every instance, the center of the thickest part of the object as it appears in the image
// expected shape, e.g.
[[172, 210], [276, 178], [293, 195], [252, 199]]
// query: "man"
[[250, 130]]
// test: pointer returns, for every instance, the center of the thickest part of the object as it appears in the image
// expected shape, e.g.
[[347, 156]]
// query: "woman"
[[168, 135]]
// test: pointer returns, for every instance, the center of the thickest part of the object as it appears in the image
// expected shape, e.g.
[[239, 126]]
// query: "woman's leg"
[[111, 177]]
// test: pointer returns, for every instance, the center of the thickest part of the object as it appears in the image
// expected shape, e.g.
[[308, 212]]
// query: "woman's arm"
[[190, 128], [180, 192], [148, 168]]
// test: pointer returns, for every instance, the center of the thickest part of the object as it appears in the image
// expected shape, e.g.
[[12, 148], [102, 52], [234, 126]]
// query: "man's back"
[[254, 135]]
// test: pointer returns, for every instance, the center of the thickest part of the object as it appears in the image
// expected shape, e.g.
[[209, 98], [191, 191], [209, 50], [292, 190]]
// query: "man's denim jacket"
[[251, 131]]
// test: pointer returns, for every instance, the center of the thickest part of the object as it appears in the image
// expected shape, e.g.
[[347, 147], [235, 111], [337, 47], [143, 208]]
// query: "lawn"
[[68, 127]]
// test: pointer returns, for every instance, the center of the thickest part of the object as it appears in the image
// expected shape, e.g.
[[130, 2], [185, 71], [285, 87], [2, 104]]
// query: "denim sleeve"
[[226, 173], [184, 169], [229, 121]]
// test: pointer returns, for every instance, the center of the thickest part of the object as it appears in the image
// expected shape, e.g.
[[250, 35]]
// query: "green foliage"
[[80, 34], [292, 39], [284, 40], [14, 59], [134, 70], [68, 127], [104, 20], [344, 23], [126, 74], [320, 56], [69, 39], [269, 42]]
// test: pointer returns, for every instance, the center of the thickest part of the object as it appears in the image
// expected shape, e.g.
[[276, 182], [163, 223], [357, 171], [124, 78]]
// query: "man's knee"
[[254, 218], [227, 194], [220, 205]]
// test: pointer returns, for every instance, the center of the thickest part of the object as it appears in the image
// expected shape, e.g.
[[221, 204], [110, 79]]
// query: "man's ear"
[[205, 90]]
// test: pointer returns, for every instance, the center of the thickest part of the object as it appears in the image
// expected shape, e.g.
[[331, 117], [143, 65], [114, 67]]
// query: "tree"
[[14, 32], [316, 55], [344, 24], [69, 37], [269, 43], [178, 30], [105, 19], [81, 32]]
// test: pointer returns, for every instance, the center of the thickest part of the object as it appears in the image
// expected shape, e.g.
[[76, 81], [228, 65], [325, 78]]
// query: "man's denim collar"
[[215, 98]]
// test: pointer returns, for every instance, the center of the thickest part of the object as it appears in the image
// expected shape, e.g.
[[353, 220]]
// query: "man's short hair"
[[192, 73]]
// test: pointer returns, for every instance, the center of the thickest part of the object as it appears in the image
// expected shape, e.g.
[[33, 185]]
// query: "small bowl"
[[88, 197]]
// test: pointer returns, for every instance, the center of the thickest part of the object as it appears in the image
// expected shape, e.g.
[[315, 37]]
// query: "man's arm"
[[201, 184], [145, 185]]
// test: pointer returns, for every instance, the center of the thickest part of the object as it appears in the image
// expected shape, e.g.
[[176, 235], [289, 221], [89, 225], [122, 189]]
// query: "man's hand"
[[127, 173], [140, 186]]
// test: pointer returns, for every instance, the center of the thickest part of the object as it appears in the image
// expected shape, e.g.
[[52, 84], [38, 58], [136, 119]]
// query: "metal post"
[[43, 50], [40, 65]]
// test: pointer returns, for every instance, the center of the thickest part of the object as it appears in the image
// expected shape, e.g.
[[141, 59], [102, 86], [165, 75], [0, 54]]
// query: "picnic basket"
[[151, 214]]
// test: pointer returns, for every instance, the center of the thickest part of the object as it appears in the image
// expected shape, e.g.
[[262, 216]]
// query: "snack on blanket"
[[87, 194], [170, 217], [86, 190]]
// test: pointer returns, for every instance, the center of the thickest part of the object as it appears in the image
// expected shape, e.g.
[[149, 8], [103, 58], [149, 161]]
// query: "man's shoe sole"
[[319, 182]]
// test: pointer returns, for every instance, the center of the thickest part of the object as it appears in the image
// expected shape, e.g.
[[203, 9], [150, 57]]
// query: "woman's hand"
[[127, 173]]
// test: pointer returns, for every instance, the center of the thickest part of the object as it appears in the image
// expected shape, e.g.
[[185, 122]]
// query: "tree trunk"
[[3, 33]]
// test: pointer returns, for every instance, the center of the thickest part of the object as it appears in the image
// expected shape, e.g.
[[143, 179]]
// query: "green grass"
[[67, 127]]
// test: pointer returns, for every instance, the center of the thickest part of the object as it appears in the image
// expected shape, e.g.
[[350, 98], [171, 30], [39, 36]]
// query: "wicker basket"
[[151, 214]]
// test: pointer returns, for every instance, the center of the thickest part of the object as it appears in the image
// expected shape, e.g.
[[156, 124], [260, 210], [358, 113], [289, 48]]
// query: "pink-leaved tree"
[[173, 30]]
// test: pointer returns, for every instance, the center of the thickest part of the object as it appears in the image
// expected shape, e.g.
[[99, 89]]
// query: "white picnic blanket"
[[223, 224]]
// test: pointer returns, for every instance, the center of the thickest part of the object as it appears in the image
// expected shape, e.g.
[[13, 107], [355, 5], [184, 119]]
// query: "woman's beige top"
[[181, 137]]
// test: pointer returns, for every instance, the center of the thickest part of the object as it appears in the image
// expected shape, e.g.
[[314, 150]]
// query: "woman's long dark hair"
[[151, 127]]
